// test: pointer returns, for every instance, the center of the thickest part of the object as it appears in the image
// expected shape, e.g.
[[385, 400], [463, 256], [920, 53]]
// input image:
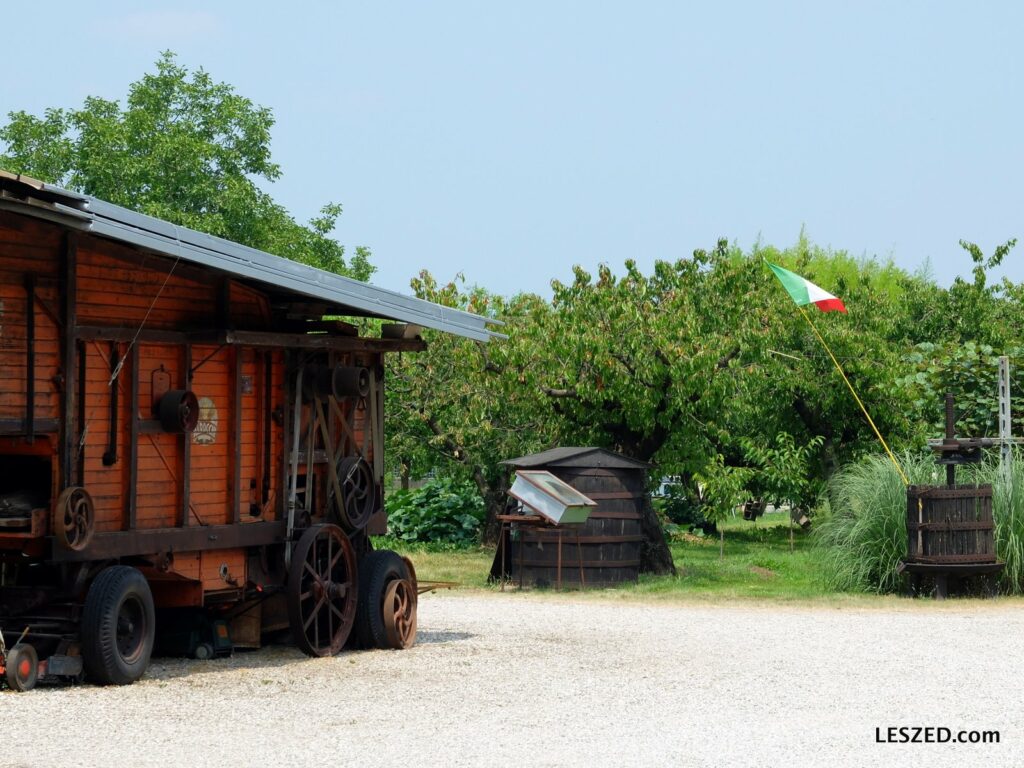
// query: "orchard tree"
[[463, 406], [185, 149]]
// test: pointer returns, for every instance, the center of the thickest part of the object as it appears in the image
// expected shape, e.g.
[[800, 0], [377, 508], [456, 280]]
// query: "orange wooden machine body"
[[176, 404]]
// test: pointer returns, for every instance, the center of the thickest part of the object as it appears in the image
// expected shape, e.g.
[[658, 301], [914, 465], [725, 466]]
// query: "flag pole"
[[853, 392]]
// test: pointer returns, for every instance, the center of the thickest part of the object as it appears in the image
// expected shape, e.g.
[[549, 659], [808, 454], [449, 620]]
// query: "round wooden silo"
[[609, 541]]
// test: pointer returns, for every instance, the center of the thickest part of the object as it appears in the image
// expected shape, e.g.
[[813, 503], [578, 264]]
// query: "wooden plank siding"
[[232, 468]]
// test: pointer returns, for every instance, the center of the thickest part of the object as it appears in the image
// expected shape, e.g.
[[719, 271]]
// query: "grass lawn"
[[758, 564], [758, 567]]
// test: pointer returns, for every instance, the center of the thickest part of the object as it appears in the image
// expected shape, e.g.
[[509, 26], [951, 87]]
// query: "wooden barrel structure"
[[950, 525], [609, 542]]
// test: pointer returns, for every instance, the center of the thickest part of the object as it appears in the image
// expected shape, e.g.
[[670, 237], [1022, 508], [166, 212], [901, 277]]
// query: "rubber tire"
[[14, 658], [104, 664], [375, 572]]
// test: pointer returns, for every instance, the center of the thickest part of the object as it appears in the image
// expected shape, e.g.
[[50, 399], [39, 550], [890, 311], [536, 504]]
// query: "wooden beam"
[[154, 541], [321, 341], [127, 335]]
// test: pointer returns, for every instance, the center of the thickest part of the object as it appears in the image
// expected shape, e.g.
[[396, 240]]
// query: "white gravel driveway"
[[526, 680]]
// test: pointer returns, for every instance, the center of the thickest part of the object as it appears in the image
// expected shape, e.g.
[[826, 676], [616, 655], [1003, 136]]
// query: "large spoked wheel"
[[322, 590], [118, 627], [359, 492], [74, 520], [22, 667], [387, 613]]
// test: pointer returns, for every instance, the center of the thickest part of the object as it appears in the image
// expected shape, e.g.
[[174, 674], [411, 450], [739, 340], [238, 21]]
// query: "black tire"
[[118, 627], [22, 667], [376, 571]]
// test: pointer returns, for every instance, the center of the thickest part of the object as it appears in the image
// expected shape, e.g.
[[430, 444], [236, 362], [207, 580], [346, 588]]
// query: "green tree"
[[461, 406], [185, 149]]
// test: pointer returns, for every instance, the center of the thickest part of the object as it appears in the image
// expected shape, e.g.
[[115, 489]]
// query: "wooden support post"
[[186, 449], [133, 439], [30, 358], [579, 557], [286, 438], [267, 407], [235, 443], [80, 447], [68, 316], [559, 570]]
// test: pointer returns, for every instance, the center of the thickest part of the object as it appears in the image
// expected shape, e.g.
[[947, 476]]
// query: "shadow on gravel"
[[434, 638]]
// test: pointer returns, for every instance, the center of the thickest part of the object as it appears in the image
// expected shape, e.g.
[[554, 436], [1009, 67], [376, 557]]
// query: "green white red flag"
[[804, 292]]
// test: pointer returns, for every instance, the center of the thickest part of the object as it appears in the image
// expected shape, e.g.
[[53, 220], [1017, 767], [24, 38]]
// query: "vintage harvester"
[[183, 434]]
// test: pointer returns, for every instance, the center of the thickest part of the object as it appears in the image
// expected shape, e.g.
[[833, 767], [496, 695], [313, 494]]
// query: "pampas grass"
[[864, 536]]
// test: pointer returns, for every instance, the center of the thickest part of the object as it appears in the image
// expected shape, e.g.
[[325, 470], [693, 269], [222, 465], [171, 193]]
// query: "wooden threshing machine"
[[189, 452]]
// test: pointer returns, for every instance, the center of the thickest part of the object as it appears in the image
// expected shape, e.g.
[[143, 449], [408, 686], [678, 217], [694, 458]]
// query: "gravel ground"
[[525, 680]]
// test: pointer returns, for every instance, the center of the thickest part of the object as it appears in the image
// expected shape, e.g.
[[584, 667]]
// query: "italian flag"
[[803, 291]]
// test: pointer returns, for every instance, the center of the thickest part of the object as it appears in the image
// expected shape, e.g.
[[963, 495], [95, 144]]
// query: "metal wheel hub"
[[400, 602]]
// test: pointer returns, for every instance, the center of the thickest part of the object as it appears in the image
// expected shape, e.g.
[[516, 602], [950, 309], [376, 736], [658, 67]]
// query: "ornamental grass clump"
[[864, 537], [1008, 511]]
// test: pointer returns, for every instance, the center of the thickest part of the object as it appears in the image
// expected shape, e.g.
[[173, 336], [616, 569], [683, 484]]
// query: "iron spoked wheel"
[[359, 492], [322, 590], [400, 614], [22, 667], [74, 519]]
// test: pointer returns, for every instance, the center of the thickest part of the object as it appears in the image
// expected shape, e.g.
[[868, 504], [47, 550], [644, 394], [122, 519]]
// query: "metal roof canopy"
[[89, 214], [577, 457]]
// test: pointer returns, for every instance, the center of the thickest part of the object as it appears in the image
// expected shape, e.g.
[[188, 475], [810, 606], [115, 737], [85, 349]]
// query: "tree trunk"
[[495, 498], [655, 555]]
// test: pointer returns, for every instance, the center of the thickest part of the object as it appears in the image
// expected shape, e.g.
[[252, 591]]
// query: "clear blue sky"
[[512, 141]]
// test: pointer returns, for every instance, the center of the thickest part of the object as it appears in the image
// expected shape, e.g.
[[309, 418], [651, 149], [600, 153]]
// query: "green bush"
[[684, 512], [443, 509]]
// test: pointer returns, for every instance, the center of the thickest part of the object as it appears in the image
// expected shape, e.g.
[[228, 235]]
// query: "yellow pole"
[[855, 397]]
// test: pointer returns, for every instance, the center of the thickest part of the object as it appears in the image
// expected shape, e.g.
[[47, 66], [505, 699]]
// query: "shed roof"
[[89, 214], [577, 457]]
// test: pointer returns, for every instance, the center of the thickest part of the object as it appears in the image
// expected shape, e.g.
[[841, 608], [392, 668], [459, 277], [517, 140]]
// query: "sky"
[[508, 142]]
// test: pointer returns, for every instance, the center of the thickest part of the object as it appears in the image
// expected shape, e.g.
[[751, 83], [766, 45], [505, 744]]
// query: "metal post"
[[1005, 446], [950, 437]]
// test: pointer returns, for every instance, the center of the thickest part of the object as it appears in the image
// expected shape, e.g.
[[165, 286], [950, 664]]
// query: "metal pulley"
[[358, 492], [74, 519], [342, 381], [178, 411]]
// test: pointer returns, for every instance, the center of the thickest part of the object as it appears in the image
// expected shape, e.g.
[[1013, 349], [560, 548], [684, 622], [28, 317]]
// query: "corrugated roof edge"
[[124, 225]]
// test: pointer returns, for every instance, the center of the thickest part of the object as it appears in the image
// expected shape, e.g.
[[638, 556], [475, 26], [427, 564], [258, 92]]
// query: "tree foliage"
[[705, 368], [184, 148]]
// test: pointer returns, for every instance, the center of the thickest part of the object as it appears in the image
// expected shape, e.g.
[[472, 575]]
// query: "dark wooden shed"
[[610, 542]]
